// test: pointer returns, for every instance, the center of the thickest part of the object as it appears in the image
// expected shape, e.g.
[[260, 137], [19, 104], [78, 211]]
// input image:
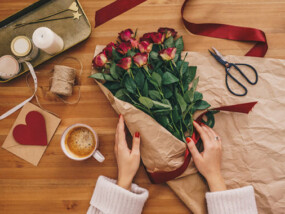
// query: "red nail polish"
[[137, 134], [188, 139], [120, 115]]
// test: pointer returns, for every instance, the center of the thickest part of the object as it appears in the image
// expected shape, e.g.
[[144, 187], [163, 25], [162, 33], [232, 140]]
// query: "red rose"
[[123, 48], [167, 54], [134, 43], [140, 59], [126, 35], [157, 38], [167, 32], [108, 49], [125, 63], [100, 60], [145, 46], [146, 37]]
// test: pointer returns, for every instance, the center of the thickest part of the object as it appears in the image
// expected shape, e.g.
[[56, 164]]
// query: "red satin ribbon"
[[230, 32], [161, 176], [114, 9]]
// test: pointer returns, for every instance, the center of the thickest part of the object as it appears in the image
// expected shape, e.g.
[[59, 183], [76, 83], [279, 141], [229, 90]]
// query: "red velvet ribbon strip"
[[229, 32], [114, 9], [161, 176]]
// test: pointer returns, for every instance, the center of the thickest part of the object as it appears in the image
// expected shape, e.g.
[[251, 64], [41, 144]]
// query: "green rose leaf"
[[116, 56], [147, 102], [188, 76], [113, 71], [120, 94], [145, 89], [167, 92], [112, 85], [179, 45], [195, 83], [156, 77], [175, 114], [102, 76], [181, 102], [189, 96], [169, 42], [160, 105], [139, 79], [153, 55], [197, 96], [169, 78], [155, 95], [130, 84], [201, 105]]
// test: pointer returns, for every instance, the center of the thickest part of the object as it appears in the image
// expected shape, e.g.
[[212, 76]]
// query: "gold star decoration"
[[76, 15]]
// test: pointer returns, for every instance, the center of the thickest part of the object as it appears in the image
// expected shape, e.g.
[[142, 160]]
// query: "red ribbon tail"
[[114, 9]]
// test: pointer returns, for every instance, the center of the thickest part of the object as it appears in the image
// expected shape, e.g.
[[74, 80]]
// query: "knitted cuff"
[[235, 201], [108, 197]]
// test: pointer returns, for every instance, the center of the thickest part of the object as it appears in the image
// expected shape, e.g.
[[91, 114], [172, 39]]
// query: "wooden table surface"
[[60, 185]]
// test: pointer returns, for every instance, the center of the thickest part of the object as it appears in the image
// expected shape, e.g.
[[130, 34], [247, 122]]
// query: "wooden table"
[[60, 185]]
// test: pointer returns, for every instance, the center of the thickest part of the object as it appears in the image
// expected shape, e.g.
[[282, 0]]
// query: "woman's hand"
[[209, 161], [128, 160]]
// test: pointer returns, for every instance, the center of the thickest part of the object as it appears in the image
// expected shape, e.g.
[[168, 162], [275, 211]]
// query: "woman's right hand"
[[208, 162]]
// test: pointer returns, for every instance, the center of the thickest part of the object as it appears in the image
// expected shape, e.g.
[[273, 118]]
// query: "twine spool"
[[63, 80]]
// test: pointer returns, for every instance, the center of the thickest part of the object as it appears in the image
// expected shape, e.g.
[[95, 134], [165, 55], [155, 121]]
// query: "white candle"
[[47, 40]]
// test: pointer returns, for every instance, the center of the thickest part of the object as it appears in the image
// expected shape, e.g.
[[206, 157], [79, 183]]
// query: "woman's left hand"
[[128, 160]]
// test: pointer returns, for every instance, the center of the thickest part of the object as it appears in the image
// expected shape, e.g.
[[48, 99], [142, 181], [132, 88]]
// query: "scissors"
[[219, 57]]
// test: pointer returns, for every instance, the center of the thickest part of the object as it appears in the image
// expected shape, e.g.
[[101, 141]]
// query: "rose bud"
[[167, 54], [145, 46], [123, 48], [125, 63], [126, 35], [146, 37], [157, 38], [109, 48], [100, 60], [168, 32], [140, 59], [134, 43]]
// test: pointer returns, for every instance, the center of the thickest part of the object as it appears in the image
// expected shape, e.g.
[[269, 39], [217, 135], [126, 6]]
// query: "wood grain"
[[60, 185]]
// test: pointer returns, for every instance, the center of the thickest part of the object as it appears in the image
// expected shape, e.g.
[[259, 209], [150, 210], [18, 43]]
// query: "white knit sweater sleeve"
[[109, 198], [234, 201]]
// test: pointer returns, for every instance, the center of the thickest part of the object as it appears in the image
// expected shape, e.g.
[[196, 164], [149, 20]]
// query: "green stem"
[[171, 66]]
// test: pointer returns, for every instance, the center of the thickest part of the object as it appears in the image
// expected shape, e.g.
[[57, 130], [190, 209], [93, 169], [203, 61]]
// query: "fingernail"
[[137, 134], [120, 115], [188, 139]]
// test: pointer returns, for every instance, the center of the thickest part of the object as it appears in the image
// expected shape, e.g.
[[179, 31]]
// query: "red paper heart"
[[34, 133]]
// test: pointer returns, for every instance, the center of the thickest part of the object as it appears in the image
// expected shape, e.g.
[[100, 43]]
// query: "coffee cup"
[[80, 142]]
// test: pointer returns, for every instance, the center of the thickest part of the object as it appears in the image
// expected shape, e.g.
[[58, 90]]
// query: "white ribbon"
[[11, 111]]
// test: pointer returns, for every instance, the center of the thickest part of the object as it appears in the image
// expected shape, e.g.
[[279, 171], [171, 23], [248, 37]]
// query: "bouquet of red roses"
[[151, 74]]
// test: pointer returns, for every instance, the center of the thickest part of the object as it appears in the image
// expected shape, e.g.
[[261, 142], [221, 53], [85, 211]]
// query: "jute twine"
[[62, 82]]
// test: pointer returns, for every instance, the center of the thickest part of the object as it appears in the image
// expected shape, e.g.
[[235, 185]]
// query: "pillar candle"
[[47, 40]]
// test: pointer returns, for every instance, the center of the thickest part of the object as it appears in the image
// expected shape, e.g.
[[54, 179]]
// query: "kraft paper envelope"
[[253, 144], [31, 153]]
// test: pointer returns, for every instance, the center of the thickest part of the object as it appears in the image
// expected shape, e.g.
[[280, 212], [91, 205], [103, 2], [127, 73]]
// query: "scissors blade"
[[218, 58], [219, 54]]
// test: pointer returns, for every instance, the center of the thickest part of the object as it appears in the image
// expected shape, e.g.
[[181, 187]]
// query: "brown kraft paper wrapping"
[[253, 144]]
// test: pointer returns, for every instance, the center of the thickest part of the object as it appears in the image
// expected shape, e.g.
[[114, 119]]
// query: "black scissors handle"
[[235, 65]]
